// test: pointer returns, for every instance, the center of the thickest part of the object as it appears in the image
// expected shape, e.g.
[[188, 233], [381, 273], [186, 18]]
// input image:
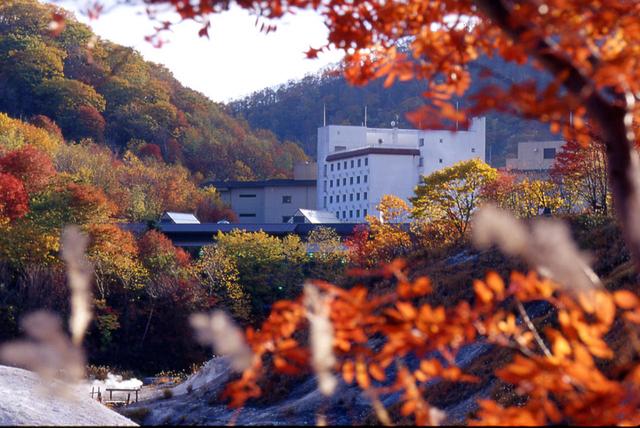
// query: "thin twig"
[[533, 329], [378, 407]]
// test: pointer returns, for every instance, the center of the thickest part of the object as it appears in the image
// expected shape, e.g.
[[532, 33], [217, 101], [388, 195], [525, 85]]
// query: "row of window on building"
[[344, 181], [344, 214], [336, 165], [286, 199], [344, 198]]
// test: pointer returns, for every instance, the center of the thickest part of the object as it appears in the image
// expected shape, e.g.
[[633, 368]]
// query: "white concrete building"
[[358, 165]]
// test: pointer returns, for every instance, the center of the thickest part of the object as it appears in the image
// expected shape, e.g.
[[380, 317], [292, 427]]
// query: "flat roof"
[[373, 151], [260, 183]]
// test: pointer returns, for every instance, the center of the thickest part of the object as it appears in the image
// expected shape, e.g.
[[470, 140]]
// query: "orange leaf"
[[605, 307], [377, 372], [348, 371], [407, 310], [494, 281], [625, 299], [482, 291], [361, 375]]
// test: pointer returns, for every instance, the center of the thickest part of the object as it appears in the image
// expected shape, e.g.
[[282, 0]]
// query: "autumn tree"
[[453, 193], [14, 134], [502, 191], [211, 208], [269, 268], [384, 238], [115, 257], [535, 196], [14, 202], [328, 255], [582, 173], [30, 165], [219, 275]]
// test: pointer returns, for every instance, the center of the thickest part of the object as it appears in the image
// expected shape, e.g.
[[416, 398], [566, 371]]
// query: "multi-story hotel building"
[[358, 165]]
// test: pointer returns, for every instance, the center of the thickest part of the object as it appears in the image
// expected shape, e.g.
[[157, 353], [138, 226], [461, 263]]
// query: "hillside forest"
[[94, 89]]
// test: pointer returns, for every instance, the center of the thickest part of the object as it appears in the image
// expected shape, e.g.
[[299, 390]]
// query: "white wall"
[[392, 175]]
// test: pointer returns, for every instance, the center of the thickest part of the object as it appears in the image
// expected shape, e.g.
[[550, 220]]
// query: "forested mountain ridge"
[[294, 111], [92, 88]]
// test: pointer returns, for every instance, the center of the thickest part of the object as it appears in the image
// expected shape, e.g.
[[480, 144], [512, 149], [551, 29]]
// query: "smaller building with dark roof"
[[267, 201]]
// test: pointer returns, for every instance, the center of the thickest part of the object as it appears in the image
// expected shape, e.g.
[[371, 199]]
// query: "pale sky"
[[235, 61]]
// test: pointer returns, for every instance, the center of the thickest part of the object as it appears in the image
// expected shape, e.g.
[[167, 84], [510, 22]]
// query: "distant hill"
[[96, 89], [294, 111]]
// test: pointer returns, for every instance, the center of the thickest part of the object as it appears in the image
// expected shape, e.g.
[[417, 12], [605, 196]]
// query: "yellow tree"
[[452, 194], [534, 195]]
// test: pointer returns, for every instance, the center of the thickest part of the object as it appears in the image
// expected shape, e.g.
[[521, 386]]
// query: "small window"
[[338, 214], [325, 202], [379, 140], [338, 166], [358, 196], [325, 170], [366, 161], [330, 183], [286, 199], [344, 198], [441, 140], [247, 196], [325, 185], [351, 197], [357, 213], [473, 149], [352, 163], [350, 213], [340, 149], [359, 163], [345, 164], [351, 180], [440, 160], [338, 182], [358, 179], [364, 213], [549, 153], [247, 215], [421, 142], [344, 181], [365, 178], [421, 161], [344, 214], [331, 167], [364, 196], [331, 199]]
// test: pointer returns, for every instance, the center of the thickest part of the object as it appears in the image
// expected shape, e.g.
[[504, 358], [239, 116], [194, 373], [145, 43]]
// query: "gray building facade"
[[267, 201]]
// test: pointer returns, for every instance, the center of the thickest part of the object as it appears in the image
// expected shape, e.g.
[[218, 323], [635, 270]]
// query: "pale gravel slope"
[[24, 401]]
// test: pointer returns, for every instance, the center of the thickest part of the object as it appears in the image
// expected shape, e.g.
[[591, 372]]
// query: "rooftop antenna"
[[324, 114], [365, 115]]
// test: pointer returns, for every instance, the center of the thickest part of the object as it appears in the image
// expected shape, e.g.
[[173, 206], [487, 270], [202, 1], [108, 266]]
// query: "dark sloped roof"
[[259, 183], [373, 151]]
